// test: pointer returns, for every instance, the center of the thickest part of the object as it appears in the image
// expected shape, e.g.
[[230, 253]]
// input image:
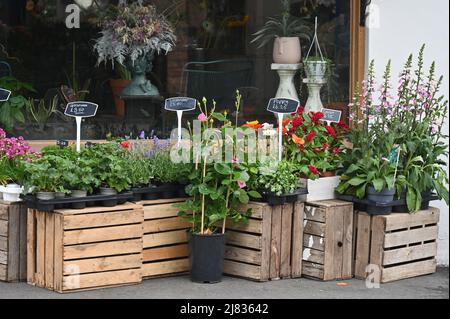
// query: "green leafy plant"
[[285, 25], [40, 112], [166, 171], [13, 110], [46, 174], [280, 178], [217, 189]]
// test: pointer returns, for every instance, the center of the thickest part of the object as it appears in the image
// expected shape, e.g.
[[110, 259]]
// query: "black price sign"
[[90, 145], [331, 116], [180, 104], [4, 95], [62, 143], [283, 106], [81, 109]]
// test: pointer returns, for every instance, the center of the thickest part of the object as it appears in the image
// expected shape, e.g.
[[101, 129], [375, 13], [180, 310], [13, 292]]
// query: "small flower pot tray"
[[273, 200], [68, 202], [168, 191], [364, 204]]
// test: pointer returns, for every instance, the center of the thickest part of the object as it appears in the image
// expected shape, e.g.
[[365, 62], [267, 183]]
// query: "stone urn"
[[140, 85]]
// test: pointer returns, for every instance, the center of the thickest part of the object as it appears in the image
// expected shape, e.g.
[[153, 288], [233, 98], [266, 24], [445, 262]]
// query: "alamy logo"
[[73, 16]]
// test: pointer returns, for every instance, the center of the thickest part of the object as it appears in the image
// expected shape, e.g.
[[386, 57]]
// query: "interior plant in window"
[[131, 35], [286, 30], [217, 190]]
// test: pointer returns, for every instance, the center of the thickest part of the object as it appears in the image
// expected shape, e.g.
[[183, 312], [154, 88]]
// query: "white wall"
[[397, 28]]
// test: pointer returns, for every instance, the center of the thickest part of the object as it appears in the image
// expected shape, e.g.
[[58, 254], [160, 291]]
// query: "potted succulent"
[[132, 35], [216, 190], [286, 32]]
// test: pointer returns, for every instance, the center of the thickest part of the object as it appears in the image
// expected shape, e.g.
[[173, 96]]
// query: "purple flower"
[[142, 135]]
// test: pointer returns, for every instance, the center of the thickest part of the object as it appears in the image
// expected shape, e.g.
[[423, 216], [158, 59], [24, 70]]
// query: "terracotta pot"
[[117, 87], [287, 51], [328, 174]]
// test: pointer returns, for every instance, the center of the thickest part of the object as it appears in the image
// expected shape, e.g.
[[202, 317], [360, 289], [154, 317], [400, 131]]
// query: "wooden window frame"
[[357, 46]]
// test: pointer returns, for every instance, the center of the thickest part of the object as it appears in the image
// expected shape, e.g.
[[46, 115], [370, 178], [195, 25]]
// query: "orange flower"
[[287, 122], [298, 140], [254, 125]]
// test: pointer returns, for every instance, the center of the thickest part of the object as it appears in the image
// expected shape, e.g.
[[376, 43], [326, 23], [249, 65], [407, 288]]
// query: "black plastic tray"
[[273, 200], [362, 204], [69, 202], [168, 191]]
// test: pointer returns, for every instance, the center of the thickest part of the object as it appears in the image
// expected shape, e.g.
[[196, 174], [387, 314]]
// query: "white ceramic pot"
[[287, 51], [316, 70], [11, 192], [321, 189]]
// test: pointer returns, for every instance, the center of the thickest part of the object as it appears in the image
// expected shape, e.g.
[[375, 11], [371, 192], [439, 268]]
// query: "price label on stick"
[[180, 105], [4, 95], [62, 143], [282, 106], [331, 116], [80, 110]]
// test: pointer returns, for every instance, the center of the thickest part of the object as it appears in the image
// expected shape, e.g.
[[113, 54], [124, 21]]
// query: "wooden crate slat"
[[166, 224], [314, 213], [162, 253], [266, 244], [166, 238], [408, 270], [243, 255], [275, 245], [146, 203], [297, 240], [100, 209], [312, 270], [314, 256], [257, 209], [58, 269], [109, 278], [410, 236], [347, 240], [314, 228], [103, 249], [401, 221], [160, 211], [102, 219], [3, 257], [165, 267], [40, 249], [102, 264], [4, 228], [4, 210], [408, 254], [314, 242], [49, 250], [3, 272], [93, 235], [3, 243], [362, 248], [31, 244], [243, 270], [253, 226], [244, 240], [286, 240]]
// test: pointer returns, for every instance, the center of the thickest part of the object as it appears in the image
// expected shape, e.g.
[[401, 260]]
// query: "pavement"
[[426, 287]]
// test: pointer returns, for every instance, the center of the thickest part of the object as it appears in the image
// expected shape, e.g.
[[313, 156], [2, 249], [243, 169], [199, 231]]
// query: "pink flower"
[[202, 117], [242, 184], [235, 161]]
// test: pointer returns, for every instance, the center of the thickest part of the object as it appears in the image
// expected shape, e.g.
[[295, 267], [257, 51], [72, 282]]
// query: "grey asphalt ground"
[[426, 287]]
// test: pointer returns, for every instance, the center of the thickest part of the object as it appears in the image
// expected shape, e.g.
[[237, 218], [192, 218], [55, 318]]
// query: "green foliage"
[[13, 110], [285, 25], [281, 178], [166, 171], [40, 112]]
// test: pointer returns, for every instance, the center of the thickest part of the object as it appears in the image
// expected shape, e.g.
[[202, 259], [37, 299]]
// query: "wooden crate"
[[264, 248], [166, 249], [396, 246], [13, 241], [92, 248], [327, 240]]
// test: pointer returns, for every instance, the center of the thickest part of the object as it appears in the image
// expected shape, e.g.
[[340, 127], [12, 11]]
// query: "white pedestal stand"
[[287, 72], [314, 103]]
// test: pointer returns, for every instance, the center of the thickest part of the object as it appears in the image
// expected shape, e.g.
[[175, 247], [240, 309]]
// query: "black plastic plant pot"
[[78, 194], [136, 195], [386, 196], [152, 196], [206, 257], [401, 208], [426, 198], [109, 192]]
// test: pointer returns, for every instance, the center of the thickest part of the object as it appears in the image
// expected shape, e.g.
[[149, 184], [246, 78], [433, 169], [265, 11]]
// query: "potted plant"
[[118, 85], [132, 35], [81, 180], [141, 174], [316, 149], [286, 30], [318, 68], [216, 190], [13, 154]]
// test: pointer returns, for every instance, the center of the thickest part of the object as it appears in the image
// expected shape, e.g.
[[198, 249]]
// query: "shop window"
[[213, 58]]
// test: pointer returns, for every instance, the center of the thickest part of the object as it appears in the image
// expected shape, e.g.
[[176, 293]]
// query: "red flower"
[[314, 170], [330, 130], [125, 144], [336, 150], [325, 146], [300, 110], [297, 122], [310, 136], [315, 117], [343, 125]]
